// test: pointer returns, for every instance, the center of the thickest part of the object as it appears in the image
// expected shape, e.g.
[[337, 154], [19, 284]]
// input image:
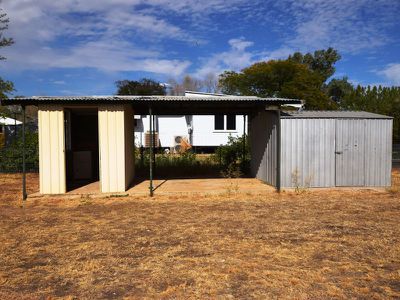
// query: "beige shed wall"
[[51, 149], [115, 142]]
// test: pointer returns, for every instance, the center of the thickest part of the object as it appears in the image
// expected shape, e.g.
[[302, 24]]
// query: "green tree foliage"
[[11, 156], [233, 162], [282, 78], [381, 100], [6, 87], [321, 61], [338, 88], [143, 87]]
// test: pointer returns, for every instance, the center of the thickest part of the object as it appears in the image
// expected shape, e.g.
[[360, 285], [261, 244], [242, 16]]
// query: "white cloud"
[[391, 73], [240, 44], [133, 35], [236, 58], [280, 53], [108, 56], [108, 35]]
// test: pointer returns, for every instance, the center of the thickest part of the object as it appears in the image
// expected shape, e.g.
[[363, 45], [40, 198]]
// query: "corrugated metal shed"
[[328, 149]]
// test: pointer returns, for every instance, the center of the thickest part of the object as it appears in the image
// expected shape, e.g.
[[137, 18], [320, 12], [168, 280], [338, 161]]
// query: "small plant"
[[85, 200], [232, 187], [298, 187], [296, 180]]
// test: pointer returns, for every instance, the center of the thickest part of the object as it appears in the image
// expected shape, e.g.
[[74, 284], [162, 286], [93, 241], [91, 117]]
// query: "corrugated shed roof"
[[332, 114], [148, 98]]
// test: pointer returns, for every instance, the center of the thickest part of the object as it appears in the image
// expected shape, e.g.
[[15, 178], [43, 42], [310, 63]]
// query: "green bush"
[[11, 155], [233, 162], [176, 165]]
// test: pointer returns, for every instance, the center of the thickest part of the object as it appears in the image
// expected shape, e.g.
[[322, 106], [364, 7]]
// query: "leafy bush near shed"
[[176, 165], [233, 162], [11, 156]]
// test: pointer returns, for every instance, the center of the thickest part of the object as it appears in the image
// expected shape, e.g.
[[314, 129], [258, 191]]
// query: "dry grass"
[[317, 244]]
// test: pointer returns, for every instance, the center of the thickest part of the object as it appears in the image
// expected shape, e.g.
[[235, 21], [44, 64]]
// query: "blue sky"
[[78, 47]]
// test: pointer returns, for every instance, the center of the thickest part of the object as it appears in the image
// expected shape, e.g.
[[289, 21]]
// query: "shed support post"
[[151, 152], [154, 144], [24, 195], [278, 151], [244, 139]]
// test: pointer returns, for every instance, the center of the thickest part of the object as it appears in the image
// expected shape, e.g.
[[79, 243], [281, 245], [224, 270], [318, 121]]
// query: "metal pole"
[[24, 195], [278, 151], [151, 152], [154, 145], [141, 156], [15, 127], [244, 138]]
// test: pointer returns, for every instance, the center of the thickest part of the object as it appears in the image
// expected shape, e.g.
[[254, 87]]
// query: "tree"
[[4, 41], [278, 79], [210, 83], [188, 83], [321, 61], [6, 87], [337, 89], [381, 100], [143, 87]]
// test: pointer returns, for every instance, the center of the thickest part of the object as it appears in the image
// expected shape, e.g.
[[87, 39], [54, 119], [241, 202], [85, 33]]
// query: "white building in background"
[[8, 130], [201, 131]]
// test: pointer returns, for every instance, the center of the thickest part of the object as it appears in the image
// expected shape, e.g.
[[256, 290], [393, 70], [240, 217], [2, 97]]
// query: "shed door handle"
[[338, 152]]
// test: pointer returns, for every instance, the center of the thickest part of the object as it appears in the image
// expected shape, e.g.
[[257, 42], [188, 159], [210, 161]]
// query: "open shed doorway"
[[82, 146]]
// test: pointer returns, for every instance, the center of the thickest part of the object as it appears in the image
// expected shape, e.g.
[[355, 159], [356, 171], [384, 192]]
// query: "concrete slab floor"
[[179, 186]]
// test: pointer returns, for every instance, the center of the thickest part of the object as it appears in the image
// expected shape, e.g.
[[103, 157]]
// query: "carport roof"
[[164, 104]]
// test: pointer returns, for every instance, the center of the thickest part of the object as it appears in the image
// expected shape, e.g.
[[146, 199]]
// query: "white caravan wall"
[[205, 135], [203, 130]]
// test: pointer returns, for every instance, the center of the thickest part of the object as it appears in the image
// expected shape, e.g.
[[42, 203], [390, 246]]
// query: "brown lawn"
[[313, 244]]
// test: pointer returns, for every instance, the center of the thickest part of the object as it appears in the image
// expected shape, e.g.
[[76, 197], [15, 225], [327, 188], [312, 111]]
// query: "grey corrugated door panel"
[[378, 152], [308, 152], [350, 152]]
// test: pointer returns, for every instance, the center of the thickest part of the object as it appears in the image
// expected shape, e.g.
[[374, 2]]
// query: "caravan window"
[[231, 122], [219, 122], [222, 122]]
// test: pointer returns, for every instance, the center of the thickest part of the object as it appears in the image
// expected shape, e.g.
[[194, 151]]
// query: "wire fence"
[[11, 151], [396, 151]]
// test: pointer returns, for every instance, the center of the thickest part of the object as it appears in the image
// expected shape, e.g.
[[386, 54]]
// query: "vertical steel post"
[[141, 156], [151, 152], [15, 126], [278, 151], [244, 138], [154, 145], [24, 195]]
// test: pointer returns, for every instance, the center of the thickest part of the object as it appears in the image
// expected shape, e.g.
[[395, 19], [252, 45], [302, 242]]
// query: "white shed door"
[[349, 150]]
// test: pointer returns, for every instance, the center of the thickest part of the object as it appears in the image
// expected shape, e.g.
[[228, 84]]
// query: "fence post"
[[151, 152], [24, 195]]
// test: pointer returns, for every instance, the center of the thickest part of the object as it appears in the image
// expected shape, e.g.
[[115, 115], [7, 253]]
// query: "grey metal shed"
[[321, 148]]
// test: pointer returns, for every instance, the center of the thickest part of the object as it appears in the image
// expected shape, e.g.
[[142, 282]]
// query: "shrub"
[[11, 155], [233, 162]]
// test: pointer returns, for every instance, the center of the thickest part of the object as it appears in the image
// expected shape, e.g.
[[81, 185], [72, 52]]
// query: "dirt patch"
[[313, 244]]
